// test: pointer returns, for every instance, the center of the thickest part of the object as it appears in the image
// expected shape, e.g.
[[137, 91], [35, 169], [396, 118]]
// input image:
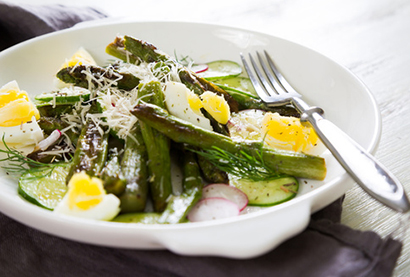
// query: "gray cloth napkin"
[[326, 248], [19, 23]]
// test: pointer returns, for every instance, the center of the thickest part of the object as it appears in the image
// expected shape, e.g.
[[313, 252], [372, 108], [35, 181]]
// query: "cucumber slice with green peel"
[[144, 218], [44, 191], [238, 84], [269, 192], [220, 70], [57, 98]]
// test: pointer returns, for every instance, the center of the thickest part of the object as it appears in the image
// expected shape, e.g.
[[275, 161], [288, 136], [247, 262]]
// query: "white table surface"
[[369, 37]]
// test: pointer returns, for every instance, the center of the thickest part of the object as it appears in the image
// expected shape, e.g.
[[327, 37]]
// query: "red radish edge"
[[198, 68], [52, 138], [228, 192], [213, 208]]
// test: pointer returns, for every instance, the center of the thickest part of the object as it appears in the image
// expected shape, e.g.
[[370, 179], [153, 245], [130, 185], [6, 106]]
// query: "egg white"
[[247, 125], [177, 104], [107, 209], [22, 135]]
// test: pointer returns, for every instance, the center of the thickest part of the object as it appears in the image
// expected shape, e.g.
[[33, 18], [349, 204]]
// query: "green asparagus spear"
[[49, 110], [211, 173], [77, 76], [49, 155], [134, 170], [49, 124], [91, 152], [129, 49], [200, 85], [179, 206], [144, 50], [142, 218], [246, 102], [117, 50], [113, 179], [158, 148], [150, 53], [285, 162]]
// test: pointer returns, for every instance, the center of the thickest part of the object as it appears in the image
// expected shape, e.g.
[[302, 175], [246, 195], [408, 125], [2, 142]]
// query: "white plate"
[[324, 83]]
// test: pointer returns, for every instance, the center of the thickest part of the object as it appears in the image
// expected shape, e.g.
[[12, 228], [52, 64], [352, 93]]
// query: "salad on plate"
[[150, 138]]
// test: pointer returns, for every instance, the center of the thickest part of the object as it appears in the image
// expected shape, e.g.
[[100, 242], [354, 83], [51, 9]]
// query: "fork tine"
[[279, 76], [272, 93], [279, 89], [268, 88], [258, 88]]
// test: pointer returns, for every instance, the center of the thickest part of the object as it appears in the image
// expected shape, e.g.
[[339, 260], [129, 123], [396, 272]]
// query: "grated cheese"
[[116, 104]]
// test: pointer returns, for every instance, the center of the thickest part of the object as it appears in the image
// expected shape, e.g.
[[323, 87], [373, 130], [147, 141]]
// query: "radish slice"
[[45, 143], [213, 208], [228, 192], [198, 68]]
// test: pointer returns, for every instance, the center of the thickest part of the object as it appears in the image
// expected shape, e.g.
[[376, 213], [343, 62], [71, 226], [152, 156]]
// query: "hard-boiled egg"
[[28, 133], [18, 117], [183, 103], [216, 106], [246, 125], [87, 198], [287, 133], [279, 132], [15, 106], [81, 56]]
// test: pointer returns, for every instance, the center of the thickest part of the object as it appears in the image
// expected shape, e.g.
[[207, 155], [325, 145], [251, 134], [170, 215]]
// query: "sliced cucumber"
[[66, 95], [269, 192], [61, 99], [238, 84], [145, 218], [44, 191], [221, 69]]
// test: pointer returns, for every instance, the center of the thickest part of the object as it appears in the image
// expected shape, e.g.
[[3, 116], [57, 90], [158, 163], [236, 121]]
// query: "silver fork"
[[372, 176]]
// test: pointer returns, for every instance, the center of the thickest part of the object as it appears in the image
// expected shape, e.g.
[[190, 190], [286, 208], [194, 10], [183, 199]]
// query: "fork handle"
[[372, 176]]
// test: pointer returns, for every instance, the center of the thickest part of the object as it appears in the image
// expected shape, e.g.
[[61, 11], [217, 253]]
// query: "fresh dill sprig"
[[241, 164], [18, 164]]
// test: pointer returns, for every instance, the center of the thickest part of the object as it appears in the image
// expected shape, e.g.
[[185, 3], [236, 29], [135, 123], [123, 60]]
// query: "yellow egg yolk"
[[80, 57], [15, 106], [84, 192], [194, 102], [216, 106], [287, 133], [8, 95]]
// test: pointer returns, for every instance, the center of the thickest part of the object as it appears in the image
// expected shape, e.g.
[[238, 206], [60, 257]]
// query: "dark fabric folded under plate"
[[325, 248], [19, 23]]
